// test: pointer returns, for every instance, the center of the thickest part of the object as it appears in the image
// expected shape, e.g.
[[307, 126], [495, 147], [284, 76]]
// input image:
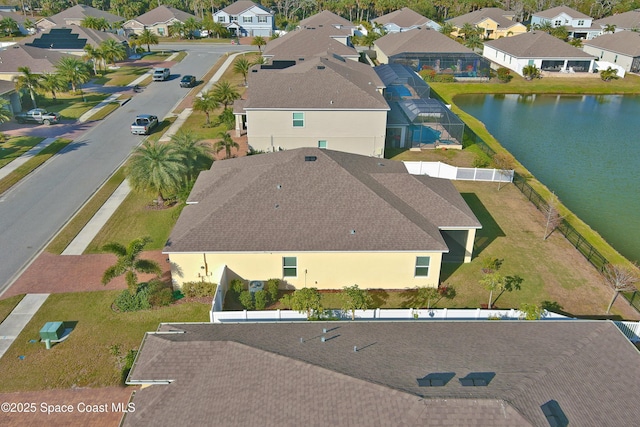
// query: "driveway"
[[69, 129]]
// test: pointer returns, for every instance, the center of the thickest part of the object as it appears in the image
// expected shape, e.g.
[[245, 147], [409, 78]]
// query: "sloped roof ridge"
[[355, 76]]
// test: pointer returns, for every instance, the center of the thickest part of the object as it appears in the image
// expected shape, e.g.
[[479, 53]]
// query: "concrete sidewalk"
[[16, 163], [18, 319]]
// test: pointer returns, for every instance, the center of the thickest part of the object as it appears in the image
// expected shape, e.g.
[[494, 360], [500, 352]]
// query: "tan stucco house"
[[320, 218], [495, 22], [75, 15], [38, 60], [621, 48], [157, 21], [323, 101]]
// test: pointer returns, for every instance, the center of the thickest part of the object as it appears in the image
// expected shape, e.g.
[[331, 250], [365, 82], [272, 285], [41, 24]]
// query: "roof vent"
[[352, 232], [310, 158], [380, 164], [300, 59], [279, 186], [255, 70], [320, 67]]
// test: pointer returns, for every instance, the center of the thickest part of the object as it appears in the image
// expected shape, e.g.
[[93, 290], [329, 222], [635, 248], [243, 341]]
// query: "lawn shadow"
[[490, 229], [409, 298], [379, 297], [447, 269]]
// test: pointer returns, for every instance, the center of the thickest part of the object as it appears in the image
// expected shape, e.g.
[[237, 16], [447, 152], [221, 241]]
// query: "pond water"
[[584, 148]]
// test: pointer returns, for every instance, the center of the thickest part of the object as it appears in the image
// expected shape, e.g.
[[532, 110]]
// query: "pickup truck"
[[144, 124], [38, 115], [161, 74]]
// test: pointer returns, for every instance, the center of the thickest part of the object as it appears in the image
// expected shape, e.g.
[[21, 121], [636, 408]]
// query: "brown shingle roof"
[[242, 5], [501, 17], [37, 59], [81, 11], [627, 20], [306, 42], [163, 14], [316, 206], [555, 11], [326, 18], [403, 18], [316, 83], [623, 42], [537, 44], [419, 40], [257, 374]]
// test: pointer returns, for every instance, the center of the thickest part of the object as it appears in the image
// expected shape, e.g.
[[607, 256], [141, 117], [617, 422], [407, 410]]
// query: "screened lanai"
[[415, 120]]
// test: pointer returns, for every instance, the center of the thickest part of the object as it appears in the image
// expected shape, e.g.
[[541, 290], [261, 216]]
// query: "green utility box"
[[52, 331]]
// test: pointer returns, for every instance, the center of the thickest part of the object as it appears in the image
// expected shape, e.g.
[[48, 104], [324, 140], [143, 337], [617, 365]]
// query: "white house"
[[621, 48], [579, 25], [246, 19]]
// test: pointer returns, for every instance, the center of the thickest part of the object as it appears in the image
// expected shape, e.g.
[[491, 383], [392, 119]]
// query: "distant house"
[[424, 48], [157, 20], [322, 218], [38, 60], [326, 18], [9, 93], [311, 41], [246, 19], [20, 20], [495, 23], [72, 40], [627, 21], [74, 16], [404, 19], [579, 25], [322, 101], [621, 48], [538, 48], [474, 373]]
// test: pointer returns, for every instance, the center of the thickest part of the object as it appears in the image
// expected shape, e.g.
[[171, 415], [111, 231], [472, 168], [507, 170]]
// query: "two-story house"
[[246, 19], [578, 25], [494, 23]]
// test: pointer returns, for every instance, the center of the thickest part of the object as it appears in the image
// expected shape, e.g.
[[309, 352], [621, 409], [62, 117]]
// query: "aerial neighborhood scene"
[[319, 213]]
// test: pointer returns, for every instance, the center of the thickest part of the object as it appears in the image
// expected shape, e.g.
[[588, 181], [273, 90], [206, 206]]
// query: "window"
[[298, 120], [322, 144], [233, 19], [247, 19], [615, 59], [581, 23], [289, 266], [557, 23], [422, 266], [262, 19], [160, 31], [221, 19]]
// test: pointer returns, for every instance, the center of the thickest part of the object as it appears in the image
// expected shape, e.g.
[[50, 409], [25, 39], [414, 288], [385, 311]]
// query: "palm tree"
[[447, 28], [467, 30], [258, 41], [94, 55], [576, 42], [224, 93], [274, 36], [177, 29], [156, 167], [148, 38], [52, 82], [609, 28], [530, 72], [112, 51], [74, 71], [90, 22], [206, 103], [129, 263], [609, 74], [260, 60], [241, 66], [545, 26], [474, 42], [226, 143], [9, 26], [190, 26], [196, 155], [5, 113], [28, 81]]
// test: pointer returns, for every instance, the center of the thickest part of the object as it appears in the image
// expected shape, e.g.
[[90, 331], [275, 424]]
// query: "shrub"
[[237, 286], [504, 75], [246, 299], [139, 301], [128, 364], [427, 75], [480, 161], [198, 289], [260, 300], [444, 78], [161, 298], [272, 287]]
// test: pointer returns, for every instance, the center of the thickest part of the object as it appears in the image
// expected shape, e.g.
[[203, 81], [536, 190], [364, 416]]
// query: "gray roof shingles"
[[326, 17], [308, 42], [247, 374], [163, 14], [537, 44], [419, 40], [623, 42], [318, 204], [37, 59], [626, 20], [81, 11], [403, 18], [555, 11], [238, 7]]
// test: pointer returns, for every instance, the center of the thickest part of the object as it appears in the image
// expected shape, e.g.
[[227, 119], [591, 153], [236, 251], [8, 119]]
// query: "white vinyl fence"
[[443, 170]]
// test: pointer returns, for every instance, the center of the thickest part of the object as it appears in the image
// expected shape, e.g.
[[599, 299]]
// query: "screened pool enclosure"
[[466, 65]]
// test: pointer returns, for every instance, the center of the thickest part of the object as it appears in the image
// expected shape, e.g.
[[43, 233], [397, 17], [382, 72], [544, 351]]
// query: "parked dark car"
[[38, 115], [188, 81]]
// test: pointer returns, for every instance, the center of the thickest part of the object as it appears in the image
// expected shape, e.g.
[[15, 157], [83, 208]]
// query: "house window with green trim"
[[422, 266], [298, 120], [289, 266], [322, 144]]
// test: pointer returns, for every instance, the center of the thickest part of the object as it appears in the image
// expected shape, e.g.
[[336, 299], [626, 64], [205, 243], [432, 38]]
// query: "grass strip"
[[7, 305], [84, 215], [15, 147], [32, 164], [105, 111]]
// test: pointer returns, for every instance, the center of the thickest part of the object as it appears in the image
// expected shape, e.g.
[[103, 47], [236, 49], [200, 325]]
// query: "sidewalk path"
[[16, 163], [87, 234], [18, 319]]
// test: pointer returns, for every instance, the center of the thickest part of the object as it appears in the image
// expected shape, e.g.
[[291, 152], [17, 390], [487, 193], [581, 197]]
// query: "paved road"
[[34, 210]]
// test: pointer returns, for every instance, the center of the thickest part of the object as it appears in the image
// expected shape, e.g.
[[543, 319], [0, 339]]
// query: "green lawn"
[[84, 359], [137, 217], [15, 147], [7, 305], [31, 164], [72, 106]]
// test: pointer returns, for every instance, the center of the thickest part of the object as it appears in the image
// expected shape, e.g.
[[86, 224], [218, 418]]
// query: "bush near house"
[[198, 289]]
